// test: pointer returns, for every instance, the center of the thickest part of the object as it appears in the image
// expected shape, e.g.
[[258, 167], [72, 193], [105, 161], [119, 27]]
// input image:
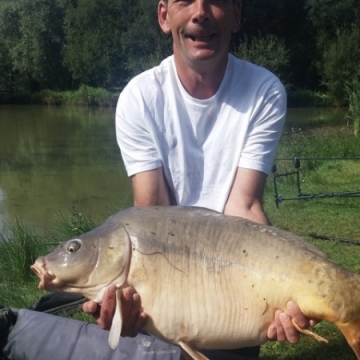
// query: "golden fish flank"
[[176, 256]]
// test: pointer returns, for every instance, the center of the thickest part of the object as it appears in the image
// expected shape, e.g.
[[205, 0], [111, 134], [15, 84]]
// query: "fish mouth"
[[46, 276]]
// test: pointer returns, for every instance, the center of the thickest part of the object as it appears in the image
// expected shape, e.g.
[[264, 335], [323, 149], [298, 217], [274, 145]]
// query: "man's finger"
[[130, 310], [91, 308], [126, 297], [291, 333], [297, 315], [107, 309], [141, 321], [280, 331], [271, 333]]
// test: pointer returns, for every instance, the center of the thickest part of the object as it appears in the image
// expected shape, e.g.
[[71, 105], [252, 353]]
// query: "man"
[[202, 128]]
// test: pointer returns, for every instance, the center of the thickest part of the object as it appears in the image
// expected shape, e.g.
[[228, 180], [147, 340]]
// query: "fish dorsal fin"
[[116, 326]]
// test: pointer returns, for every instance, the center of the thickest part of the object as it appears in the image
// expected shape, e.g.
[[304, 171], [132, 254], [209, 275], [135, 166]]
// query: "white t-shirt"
[[200, 143]]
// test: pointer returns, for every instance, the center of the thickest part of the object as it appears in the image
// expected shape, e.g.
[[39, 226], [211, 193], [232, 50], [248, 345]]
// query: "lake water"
[[55, 160], [58, 160]]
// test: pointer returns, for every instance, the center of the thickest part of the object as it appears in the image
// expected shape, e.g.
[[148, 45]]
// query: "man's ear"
[[162, 11], [237, 18]]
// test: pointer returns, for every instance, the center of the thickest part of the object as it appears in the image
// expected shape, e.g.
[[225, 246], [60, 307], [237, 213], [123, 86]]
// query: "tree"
[[336, 34], [328, 17], [340, 63], [269, 52], [33, 40], [144, 44], [94, 30], [286, 20]]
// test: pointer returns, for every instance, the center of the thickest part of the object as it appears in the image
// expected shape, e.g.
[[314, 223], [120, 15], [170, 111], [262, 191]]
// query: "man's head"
[[201, 29]]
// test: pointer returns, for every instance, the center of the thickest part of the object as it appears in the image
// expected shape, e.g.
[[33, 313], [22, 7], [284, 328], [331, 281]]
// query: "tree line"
[[62, 44]]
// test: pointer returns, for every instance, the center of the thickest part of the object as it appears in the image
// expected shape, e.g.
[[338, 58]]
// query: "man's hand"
[[133, 318], [282, 328]]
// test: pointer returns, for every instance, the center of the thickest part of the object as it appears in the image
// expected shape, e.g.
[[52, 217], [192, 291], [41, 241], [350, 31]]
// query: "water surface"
[[58, 160], [66, 159]]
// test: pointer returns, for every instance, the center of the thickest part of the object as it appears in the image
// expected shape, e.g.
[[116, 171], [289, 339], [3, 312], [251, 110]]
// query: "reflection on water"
[[57, 159], [308, 118], [2, 195]]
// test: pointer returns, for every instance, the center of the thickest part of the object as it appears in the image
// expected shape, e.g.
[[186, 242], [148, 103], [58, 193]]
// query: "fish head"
[[87, 265]]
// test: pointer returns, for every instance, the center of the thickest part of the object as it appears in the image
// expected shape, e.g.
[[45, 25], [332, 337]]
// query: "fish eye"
[[73, 246]]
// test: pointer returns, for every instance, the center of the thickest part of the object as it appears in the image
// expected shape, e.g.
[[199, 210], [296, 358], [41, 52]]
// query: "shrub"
[[85, 96], [352, 89], [269, 52], [308, 98], [340, 59]]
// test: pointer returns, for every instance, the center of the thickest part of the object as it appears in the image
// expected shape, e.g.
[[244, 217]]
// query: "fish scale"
[[206, 280]]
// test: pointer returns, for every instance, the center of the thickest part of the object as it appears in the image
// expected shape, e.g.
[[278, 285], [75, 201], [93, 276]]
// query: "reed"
[[19, 247], [69, 225], [352, 89]]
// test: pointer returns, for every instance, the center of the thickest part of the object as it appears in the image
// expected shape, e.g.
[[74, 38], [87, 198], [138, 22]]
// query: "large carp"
[[206, 280]]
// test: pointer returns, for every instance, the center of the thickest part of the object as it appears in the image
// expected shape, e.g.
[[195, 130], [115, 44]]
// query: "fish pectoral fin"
[[190, 353], [351, 331], [308, 332], [116, 326]]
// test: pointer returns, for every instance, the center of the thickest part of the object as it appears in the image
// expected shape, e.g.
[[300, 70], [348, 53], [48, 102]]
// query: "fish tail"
[[351, 331]]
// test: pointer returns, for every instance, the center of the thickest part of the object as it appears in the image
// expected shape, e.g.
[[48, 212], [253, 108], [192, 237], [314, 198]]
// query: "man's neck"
[[201, 82]]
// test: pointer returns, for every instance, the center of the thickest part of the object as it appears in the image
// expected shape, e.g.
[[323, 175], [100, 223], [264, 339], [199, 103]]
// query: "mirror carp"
[[206, 280]]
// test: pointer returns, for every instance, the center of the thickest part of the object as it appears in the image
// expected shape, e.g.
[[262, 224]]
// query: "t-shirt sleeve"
[[265, 128], [133, 133]]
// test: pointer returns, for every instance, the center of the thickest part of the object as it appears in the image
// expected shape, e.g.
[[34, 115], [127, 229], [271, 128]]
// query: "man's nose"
[[201, 11]]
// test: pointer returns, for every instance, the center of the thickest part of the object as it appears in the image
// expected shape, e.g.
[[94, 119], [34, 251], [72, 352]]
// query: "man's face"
[[201, 29]]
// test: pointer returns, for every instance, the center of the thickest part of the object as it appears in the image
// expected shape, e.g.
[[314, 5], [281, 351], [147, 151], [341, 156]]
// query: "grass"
[[332, 216], [20, 245]]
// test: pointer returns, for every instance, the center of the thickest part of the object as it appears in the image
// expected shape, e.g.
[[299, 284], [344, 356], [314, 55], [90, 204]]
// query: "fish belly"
[[217, 306]]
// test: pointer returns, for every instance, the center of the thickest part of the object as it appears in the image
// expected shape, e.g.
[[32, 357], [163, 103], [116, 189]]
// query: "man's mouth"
[[201, 38]]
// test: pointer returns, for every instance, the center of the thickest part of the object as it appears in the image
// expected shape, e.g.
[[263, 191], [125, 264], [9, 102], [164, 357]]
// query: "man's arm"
[[245, 200], [150, 188]]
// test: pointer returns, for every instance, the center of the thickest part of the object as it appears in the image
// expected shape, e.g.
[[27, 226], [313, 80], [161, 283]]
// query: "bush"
[[352, 89], [269, 52], [308, 98], [340, 59], [85, 96]]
